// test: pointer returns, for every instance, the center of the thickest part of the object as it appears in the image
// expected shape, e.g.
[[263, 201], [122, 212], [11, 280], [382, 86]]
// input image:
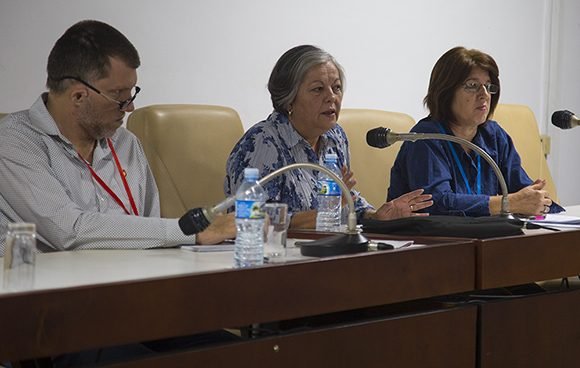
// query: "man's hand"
[[223, 227]]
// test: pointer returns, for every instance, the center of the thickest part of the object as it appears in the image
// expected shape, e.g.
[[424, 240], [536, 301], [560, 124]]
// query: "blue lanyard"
[[461, 170]]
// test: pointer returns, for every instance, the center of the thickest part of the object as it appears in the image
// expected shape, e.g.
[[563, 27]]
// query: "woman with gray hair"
[[306, 88]]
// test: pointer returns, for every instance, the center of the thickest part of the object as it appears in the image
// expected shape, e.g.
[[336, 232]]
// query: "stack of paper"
[[557, 220]]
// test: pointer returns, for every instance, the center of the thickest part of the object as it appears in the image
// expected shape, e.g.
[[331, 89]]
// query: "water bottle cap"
[[251, 173], [331, 157]]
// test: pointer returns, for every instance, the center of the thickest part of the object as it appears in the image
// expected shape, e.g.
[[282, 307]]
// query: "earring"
[[290, 111]]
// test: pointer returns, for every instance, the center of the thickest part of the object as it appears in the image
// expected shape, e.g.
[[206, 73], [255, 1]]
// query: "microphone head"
[[377, 137], [193, 222], [562, 119]]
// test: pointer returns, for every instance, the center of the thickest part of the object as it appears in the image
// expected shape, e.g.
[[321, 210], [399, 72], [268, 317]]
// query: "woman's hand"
[[349, 180], [532, 200], [348, 177], [404, 206]]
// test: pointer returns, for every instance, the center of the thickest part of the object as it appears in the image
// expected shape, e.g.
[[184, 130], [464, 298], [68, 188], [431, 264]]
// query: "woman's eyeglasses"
[[472, 86]]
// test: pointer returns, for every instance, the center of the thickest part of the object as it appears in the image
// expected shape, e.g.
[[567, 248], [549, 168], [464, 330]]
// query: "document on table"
[[229, 246], [224, 247], [558, 220]]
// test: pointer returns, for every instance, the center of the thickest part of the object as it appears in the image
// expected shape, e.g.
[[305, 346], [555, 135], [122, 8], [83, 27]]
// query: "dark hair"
[[83, 51], [450, 72], [290, 70]]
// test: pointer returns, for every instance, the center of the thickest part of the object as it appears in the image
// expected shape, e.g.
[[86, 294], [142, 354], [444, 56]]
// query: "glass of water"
[[277, 222], [19, 256]]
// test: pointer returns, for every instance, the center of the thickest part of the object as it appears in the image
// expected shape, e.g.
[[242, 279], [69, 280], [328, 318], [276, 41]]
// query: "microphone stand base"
[[335, 245], [509, 217]]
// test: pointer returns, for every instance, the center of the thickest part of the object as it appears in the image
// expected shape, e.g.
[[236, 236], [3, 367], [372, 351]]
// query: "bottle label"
[[249, 209], [329, 188]]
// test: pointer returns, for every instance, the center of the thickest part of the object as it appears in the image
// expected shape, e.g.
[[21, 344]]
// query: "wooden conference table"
[[540, 330], [88, 299]]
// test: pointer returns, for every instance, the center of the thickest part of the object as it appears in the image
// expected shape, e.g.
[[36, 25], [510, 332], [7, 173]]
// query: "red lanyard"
[[106, 187]]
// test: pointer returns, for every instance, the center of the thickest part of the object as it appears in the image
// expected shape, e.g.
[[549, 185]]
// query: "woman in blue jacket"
[[463, 92]]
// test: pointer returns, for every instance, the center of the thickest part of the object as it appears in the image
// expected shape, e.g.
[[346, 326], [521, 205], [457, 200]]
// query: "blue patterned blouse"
[[274, 143]]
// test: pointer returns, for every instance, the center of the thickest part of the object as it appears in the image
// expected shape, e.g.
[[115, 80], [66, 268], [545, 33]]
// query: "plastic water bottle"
[[329, 197], [250, 199]]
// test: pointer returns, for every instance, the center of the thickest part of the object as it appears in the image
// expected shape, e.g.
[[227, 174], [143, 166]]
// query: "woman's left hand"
[[349, 180], [348, 177], [404, 206]]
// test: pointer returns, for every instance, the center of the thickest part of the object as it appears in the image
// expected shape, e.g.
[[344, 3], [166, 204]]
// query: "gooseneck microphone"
[[565, 119], [384, 137], [198, 219]]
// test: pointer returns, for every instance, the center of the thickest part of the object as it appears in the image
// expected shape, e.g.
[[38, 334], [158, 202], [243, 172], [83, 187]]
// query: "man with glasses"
[[463, 92], [69, 167]]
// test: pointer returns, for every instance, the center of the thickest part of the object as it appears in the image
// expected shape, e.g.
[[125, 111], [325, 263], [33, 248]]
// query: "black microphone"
[[380, 137], [565, 119], [194, 221]]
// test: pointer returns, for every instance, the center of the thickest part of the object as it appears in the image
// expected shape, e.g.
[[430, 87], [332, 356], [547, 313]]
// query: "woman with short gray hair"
[[306, 88], [291, 69]]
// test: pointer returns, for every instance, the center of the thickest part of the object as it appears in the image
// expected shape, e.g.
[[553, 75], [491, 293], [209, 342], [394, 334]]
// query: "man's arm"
[[38, 193]]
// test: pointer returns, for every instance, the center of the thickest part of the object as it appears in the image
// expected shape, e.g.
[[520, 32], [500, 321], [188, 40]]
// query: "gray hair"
[[290, 70]]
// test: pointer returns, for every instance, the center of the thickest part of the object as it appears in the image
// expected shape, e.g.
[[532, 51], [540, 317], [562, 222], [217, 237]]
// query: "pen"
[[380, 246], [385, 246]]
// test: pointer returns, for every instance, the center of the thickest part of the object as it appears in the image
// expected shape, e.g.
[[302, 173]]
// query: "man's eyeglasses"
[[122, 104], [472, 86]]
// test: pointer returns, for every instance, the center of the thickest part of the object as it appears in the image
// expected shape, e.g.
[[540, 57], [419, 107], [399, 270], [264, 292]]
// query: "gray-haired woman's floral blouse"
[[274, 143]]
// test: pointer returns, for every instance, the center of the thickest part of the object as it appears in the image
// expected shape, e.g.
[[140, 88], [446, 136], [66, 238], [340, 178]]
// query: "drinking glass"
[[19, 256], [277, 222]]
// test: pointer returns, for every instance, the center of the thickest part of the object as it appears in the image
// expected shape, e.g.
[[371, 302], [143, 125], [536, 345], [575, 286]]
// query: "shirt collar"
[[448, 130], [479, 139], [291, 135], [286, 129], [42, 122]]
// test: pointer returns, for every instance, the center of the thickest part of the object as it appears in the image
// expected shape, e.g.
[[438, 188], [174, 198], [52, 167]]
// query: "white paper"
[[557, 220], [209, 248]]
